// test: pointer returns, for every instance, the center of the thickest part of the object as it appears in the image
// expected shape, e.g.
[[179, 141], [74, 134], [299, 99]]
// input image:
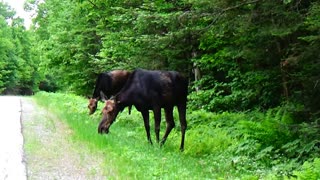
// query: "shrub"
[[309, 170]]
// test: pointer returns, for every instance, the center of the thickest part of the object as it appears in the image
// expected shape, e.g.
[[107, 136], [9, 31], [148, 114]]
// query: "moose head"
[[109, 114], [93, 103]]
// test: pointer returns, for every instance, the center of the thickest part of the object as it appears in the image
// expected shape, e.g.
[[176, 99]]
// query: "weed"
[[245, 145]]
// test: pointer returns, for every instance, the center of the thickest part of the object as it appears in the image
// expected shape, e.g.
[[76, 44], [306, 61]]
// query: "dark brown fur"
[[109, 84], [150, 90]]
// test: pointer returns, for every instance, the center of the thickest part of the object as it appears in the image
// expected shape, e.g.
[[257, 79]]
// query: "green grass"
[[218, 146]]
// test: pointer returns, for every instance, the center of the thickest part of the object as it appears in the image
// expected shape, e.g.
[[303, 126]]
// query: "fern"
[[309, 170]]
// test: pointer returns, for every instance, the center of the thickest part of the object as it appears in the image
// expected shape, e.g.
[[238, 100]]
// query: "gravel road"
[[36, 145], [12, 164]]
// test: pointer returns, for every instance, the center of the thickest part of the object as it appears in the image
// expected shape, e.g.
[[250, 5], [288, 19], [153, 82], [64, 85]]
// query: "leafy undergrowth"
[[250, 145]]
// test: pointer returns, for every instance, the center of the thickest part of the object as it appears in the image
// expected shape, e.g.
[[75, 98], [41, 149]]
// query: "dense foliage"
[[245, 54], [18, 62], [256, 57], [238, 55]]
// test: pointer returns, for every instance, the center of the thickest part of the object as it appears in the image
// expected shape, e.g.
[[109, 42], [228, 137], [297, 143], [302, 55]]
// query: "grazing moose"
[[109, 83], [150, 90]]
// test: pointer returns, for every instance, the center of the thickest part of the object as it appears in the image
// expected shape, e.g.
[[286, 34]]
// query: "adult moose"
[[109, 83], [150, 90]]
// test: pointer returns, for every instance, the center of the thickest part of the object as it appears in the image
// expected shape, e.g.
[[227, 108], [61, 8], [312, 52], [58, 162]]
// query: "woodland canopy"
[[239, 55]]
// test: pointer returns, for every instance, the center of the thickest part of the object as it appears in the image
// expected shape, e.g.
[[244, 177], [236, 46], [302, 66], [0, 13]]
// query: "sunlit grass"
[[215, 147], [127, 147]]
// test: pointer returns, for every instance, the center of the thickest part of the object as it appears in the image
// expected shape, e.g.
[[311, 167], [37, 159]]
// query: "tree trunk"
[[196, 71]]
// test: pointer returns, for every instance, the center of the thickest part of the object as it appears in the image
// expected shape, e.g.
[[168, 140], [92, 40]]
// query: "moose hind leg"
[[145, 115], [170, 123], [183, 123]]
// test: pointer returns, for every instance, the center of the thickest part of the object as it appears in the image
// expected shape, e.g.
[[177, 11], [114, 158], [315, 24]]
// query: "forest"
[[240, 56]]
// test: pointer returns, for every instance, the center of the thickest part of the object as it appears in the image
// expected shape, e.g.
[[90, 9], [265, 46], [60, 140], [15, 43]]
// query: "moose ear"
[[104, 98], [116, 99]]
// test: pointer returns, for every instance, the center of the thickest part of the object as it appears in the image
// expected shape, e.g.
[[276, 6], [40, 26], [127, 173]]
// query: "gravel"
[[51, 153]]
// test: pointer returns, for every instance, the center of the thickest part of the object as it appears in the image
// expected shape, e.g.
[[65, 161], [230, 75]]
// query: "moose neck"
[[118, 80], [96, 93]]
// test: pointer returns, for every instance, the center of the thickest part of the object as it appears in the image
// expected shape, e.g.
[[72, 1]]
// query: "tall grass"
[[218, 146]]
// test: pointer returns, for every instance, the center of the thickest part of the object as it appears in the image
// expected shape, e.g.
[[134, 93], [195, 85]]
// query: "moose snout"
[[103, 128]]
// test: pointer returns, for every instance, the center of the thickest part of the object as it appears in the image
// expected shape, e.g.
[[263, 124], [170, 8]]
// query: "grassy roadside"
[[218, 146], [51, 152]]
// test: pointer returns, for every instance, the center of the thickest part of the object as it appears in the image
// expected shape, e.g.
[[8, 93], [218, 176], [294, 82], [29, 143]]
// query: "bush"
[[309, 170]]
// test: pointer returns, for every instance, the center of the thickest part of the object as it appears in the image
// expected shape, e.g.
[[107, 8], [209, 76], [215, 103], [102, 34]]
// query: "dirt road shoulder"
[[50, 153]]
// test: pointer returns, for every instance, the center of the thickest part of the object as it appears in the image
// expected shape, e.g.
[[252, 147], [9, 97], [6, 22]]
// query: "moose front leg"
[[145, 115], [183, 122]]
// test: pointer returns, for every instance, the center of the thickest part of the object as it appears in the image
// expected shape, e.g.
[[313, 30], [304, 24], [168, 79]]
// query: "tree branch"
[[93, 4], [228, 9]]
